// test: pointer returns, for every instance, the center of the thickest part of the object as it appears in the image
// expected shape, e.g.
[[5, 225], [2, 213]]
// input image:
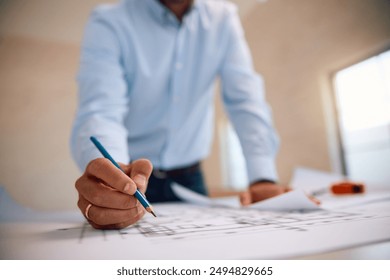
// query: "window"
[[363, 104], [233, 162]]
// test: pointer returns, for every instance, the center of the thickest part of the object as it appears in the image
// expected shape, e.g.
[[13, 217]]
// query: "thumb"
[[140, 173], [245, 198]]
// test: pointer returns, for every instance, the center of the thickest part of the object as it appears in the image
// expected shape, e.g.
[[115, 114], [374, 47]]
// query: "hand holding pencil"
[[106, 193]]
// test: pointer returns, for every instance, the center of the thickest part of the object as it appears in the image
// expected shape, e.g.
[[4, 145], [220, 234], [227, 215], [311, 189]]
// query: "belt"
[[162, 173]]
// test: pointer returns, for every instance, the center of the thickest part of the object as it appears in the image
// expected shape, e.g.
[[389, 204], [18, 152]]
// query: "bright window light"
[[234, 166], [363, 93], [363, 101]]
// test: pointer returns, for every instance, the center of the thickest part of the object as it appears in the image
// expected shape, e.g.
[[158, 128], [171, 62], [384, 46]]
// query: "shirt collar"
[[164, 15]]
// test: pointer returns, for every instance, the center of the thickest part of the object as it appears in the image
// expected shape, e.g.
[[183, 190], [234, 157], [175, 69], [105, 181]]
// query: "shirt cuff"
[[263, 168]]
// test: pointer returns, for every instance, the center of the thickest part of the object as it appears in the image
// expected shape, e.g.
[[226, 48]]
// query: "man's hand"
[[263, 190], [109, 191]]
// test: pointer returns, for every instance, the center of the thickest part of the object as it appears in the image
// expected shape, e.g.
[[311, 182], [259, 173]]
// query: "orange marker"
[[347, 188]]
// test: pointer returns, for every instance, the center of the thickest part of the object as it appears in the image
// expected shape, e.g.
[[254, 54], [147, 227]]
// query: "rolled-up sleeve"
[[244, 100]]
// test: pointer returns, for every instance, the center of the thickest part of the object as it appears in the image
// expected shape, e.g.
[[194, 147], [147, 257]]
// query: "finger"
[[82, 203], [245, 198], [104, 170], [262, 192], [106, 216], [119, 225], [140, 173], [315, 200], [101, 195]]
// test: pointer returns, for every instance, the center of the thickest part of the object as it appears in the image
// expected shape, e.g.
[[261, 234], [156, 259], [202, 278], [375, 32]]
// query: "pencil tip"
[[150, 210]]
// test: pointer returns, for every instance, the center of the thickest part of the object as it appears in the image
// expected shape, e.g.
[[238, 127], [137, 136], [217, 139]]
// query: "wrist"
[[262, 181]]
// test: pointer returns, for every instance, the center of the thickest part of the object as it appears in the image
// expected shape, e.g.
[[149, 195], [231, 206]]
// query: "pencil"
[[145, 203]]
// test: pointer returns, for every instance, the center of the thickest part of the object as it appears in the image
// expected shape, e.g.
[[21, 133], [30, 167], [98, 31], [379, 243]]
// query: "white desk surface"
[[188, 232], [375, 251]]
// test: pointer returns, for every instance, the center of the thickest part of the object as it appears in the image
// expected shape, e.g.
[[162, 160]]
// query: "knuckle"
[[96, 226], [124, 167], [122, 225], [139, 215], [127, 203], [99, 217], [147, 163], [79, 183], [91, 166], [143, 166], [97, 199], [132, 215], [79, 203], [96, 166], [131, 184], [134, 219]]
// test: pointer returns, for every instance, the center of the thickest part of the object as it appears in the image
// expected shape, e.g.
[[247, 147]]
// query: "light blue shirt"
[[146, 86]]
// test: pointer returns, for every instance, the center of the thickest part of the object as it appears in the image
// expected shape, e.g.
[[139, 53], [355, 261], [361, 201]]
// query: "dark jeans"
[[159, 186]]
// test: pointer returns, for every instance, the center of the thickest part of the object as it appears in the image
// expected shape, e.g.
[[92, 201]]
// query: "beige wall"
[[39, 52], [36, 109], [296, 45]]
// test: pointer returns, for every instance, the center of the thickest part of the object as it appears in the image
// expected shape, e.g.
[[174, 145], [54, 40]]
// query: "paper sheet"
[[187, 231], [294, 200], [184, 231], [198, 199], [311, 180]]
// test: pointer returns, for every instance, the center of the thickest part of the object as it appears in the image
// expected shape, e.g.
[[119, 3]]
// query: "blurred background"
[[326, 67]]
